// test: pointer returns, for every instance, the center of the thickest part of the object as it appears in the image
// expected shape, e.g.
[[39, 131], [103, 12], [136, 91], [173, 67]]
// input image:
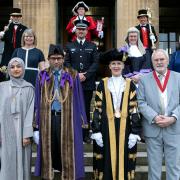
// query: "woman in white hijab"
[[16, 115]]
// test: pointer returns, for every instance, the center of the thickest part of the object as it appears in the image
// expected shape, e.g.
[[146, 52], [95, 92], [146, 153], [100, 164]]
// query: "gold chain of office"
[[59, 97]]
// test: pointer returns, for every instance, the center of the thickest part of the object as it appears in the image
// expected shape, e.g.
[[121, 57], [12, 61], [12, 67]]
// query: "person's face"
[[81, 11], [29, 39], [116, 67], [143, 20], [133, 38], [56, 61], [16, 19], [81, 33], [160, 62], [16, 70]]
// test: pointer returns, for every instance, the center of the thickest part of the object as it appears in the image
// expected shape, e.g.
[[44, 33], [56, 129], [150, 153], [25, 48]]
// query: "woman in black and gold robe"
[[116, 124]]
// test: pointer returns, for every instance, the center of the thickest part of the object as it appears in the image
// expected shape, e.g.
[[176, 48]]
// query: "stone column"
[[40, 15], [126, 16]]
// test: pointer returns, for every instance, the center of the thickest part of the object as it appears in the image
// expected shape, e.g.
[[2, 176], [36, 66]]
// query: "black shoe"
[[87, 140]]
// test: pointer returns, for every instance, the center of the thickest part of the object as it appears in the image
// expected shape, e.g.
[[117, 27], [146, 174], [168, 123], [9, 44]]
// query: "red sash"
[[161, 87]]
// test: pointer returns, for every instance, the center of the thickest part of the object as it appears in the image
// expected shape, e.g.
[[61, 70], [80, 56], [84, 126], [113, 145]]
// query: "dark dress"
[[32, 57], [114, 161]]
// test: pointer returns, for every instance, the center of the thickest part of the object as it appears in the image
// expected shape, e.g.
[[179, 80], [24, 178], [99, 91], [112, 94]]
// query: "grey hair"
[[162, 51], [139, 43]]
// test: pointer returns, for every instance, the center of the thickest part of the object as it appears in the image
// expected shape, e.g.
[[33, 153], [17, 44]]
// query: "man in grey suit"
[[159, 102]]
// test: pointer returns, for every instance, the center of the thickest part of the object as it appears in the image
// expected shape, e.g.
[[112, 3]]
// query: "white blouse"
[[116, 86]]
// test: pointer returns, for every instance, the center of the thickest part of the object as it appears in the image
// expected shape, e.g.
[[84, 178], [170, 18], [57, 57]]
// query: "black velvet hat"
[[55, 49], [142, 12], [16, 12], [78, 5], [81, 23], [111, 55]]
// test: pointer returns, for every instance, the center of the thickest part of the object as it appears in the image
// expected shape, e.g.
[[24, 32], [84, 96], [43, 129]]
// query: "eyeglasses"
[[56, 58]]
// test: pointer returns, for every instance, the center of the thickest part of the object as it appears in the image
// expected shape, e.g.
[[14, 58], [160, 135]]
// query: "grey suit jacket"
[[149, 103]]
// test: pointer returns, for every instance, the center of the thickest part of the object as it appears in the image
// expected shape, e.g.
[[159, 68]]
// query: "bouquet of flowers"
[[3, 73]]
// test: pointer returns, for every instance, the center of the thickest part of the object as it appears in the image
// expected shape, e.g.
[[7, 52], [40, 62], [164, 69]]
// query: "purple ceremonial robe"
[[78, 115]]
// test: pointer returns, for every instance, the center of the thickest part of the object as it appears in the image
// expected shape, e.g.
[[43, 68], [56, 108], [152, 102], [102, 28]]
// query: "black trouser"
[[87, 101], [56, 141]]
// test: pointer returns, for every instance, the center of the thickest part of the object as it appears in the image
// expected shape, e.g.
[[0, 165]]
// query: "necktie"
[[14, 37], [56, 82], [81, 43], [56, 104], [161, 96]]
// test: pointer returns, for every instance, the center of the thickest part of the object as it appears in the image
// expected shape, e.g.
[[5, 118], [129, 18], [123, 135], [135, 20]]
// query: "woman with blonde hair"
[[31, 55]]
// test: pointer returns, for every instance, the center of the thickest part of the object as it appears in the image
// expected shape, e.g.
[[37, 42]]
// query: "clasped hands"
[[164, 121]]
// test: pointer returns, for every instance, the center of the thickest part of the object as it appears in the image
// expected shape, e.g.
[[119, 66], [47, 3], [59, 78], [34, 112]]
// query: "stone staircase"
[[141, 168]]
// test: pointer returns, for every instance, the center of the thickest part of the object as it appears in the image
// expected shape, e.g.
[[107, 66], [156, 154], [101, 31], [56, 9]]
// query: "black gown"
[[34, 57], [115, 161], [137, 65]]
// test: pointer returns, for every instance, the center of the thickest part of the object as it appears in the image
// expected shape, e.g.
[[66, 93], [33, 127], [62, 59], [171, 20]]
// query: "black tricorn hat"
[[142, 12], [78, 5], [81, 23], [55, 49], [111, 55], [16, 12]]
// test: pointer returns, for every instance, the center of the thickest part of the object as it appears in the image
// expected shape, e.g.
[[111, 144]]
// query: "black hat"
[[55, 49], [78, 5], [16, 12], [142, 12], [81, 23], [111, 55]]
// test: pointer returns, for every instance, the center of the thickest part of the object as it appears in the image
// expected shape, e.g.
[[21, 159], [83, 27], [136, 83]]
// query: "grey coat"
[[149, 103], [16, 115]]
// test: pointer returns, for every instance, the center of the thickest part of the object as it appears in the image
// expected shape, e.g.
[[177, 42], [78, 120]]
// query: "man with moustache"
[[12, 35], [82, 55], [146, 36], [159, 102], [60, 115]]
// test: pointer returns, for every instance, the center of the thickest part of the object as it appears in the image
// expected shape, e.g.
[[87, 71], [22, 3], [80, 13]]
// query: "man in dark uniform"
[[12, 35], [83, 56], [147, 33]]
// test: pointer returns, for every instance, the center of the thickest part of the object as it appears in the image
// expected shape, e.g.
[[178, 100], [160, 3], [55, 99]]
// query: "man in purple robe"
[[60, 116]]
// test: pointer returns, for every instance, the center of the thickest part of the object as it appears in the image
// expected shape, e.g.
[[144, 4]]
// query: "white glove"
[[133, 138], [73, 29], [152, 37], [1, 34], [101, 34], [36, 137], [98, 138]]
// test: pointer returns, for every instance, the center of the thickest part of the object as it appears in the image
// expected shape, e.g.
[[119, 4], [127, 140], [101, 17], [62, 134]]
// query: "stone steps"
[[141, 168]]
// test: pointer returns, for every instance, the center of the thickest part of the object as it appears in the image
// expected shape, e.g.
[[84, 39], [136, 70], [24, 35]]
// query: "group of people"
[[140, 97]]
